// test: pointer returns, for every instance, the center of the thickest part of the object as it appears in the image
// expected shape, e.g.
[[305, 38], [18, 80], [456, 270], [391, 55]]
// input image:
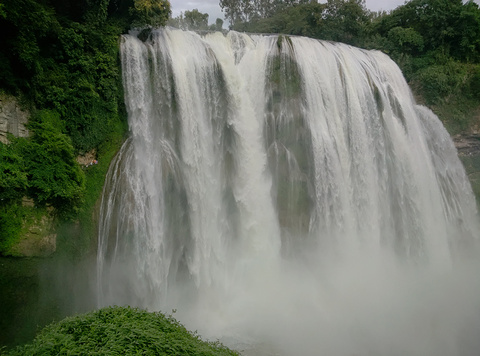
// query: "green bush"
[[119, 331], [13, 179], [54, 176], [11, 218], [475, 83], [80, 80], [405, 40], [13, 186], [69, 65], [435, 83], [442, 80], [61, 58]]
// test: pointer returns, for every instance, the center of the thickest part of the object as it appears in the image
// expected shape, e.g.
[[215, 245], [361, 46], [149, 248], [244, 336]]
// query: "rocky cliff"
[[12, 118]]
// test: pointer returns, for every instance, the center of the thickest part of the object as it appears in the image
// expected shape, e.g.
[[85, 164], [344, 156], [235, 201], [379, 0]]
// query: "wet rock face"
[[12, 118], [467, 144], [38, 238], [35, 245]]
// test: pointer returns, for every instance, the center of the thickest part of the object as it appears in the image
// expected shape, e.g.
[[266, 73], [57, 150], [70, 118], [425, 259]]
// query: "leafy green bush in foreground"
[[119, 331]]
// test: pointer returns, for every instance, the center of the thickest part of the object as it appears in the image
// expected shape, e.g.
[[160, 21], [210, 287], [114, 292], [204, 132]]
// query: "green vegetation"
[[13, 186], [195, 21], [61, 58], [119, 331], [152, 13], [241, 11], [54, 177], [13, 179], [11, 220]]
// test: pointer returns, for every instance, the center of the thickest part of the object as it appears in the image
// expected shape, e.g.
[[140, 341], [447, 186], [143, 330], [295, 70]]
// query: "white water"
[[288, 199]]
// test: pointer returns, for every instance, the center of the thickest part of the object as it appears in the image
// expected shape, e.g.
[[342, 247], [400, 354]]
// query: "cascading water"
[[287, 193]]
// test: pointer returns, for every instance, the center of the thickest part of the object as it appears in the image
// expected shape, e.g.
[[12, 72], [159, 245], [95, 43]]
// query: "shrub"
[[442, 80], [119, 331], [54, 176], [405, 40], [11, 218], [475, 83], [13, 179]]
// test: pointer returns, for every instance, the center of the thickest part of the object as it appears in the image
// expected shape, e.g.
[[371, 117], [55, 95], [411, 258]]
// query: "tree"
[[344, 21], [300, 19], [448, 26], [195, 20], [405, 40], [151, 13], [468, 31], [218, 24], [337, 20], [177, 22], [241, 11], [236, 11], [190, 20]]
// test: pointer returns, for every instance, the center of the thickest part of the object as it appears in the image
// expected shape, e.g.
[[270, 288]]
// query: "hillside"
[[60, 71]]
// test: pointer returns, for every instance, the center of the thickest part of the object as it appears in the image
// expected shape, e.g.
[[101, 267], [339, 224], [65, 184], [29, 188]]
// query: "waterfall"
[[288, 196]]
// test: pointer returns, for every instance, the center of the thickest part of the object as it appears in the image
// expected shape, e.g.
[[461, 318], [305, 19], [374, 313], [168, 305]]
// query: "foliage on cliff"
[[61, 58], [42, 167], [53, 175], [13, 179], [119, 331]]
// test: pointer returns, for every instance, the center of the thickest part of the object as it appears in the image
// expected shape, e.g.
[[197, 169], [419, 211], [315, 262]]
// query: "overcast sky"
[[213, 9]]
